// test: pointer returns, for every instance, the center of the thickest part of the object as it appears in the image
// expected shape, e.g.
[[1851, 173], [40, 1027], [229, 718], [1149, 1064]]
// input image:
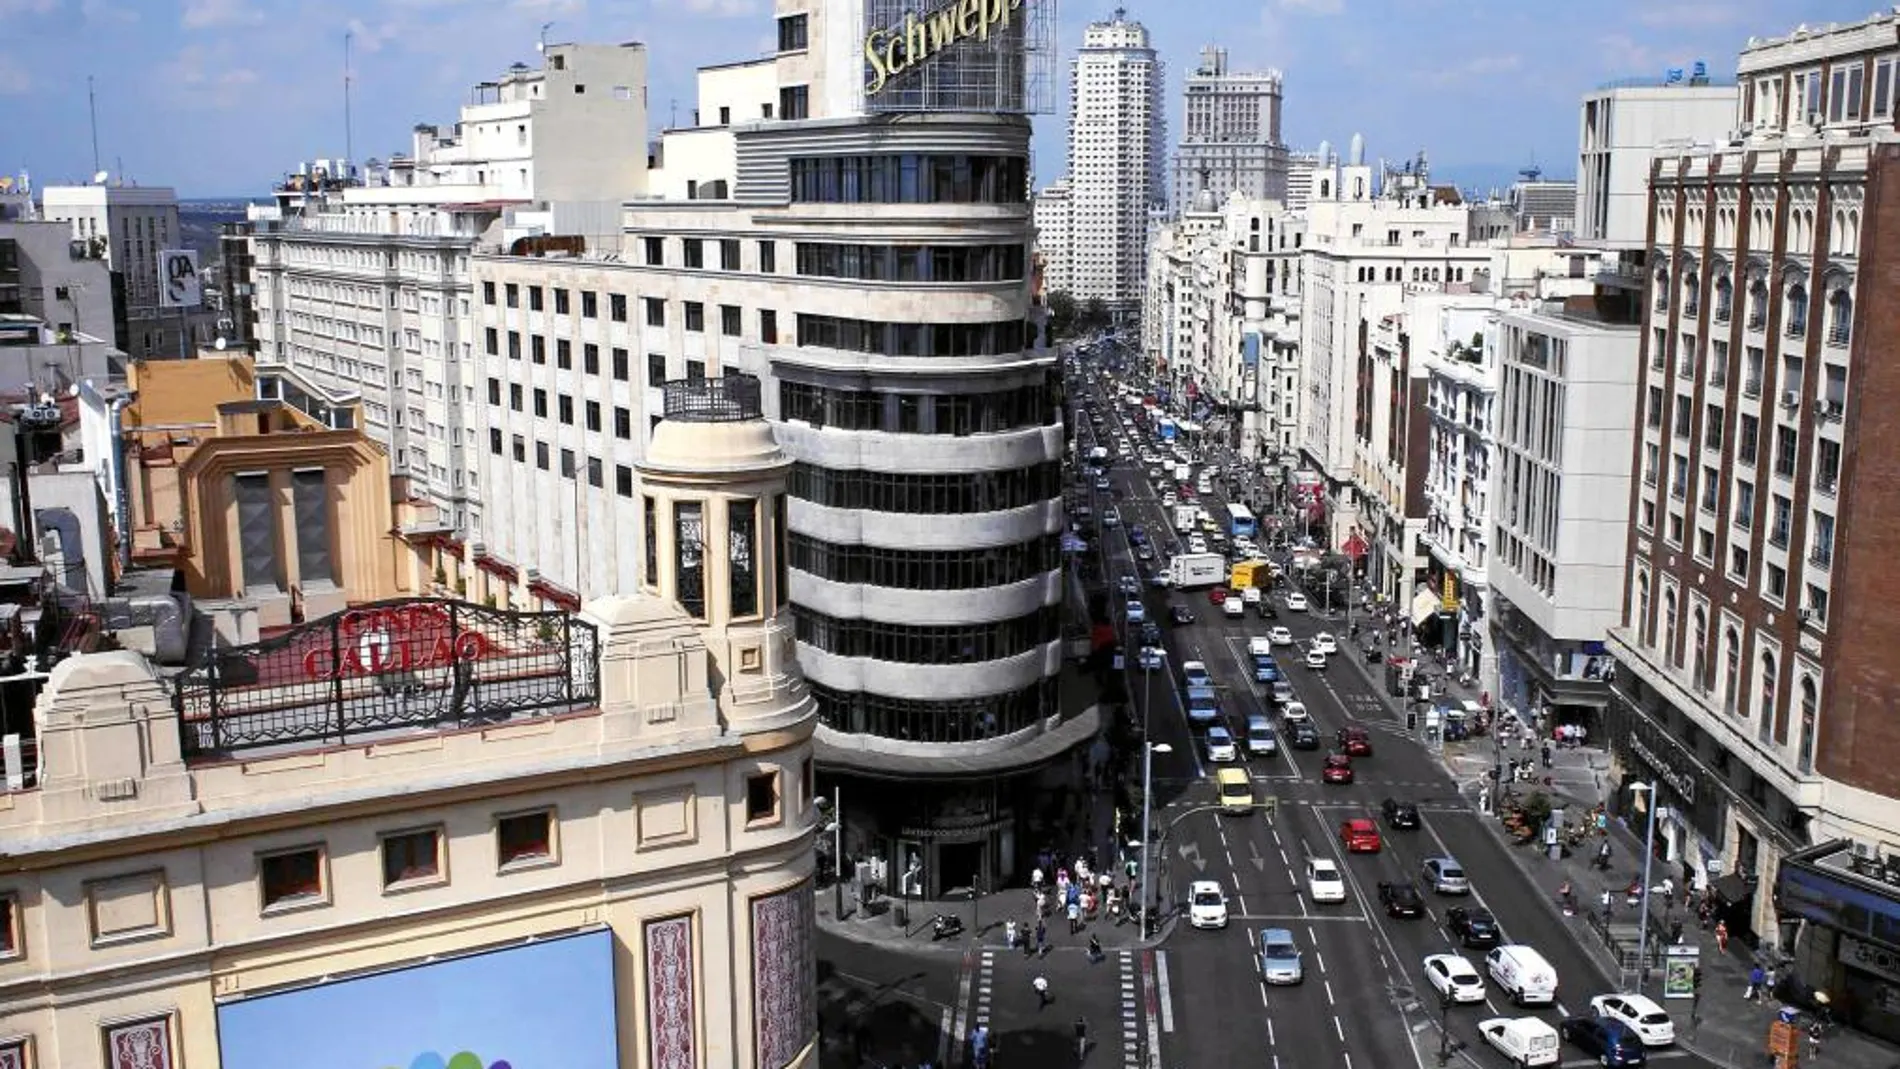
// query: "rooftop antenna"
[[543, 46], [92, 110], [349, 131]]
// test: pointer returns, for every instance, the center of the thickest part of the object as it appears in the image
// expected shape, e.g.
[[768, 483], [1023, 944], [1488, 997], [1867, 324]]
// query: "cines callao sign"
[[894, 50]]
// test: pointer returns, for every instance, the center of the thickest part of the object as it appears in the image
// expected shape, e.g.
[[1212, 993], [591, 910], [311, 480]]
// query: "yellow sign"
[[1449, 599], [894, 50]]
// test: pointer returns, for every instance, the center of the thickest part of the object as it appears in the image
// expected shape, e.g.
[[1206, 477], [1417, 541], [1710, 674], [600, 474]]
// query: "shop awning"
[[1424, 606], [1732, 889]]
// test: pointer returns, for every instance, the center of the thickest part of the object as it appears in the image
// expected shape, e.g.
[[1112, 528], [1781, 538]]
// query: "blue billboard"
[[543, 1005]]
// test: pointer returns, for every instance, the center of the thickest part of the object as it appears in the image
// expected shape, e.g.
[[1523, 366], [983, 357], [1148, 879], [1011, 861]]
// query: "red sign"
[[400, 638]]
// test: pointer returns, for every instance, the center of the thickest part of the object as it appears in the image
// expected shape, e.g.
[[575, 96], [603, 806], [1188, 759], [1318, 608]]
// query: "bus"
[[1239, 522]]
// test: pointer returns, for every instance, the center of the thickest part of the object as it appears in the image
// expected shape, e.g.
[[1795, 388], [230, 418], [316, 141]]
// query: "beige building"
[[431, 833]]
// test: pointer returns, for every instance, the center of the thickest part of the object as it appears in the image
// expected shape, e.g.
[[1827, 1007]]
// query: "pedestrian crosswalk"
[[1131, 1010]]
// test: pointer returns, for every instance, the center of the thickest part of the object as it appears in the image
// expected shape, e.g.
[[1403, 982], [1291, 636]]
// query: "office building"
[[1543, 205], [1054, 217], [127, 227], [1754, 682], [353, 842], [1623, 124], [1300, 167], [363, 287], [1230, 134], [46, 275], [867, 257]]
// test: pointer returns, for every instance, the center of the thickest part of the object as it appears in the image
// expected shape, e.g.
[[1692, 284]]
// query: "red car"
[[1338, 769], [1217, 595], [1359, 836], [1355, 742]]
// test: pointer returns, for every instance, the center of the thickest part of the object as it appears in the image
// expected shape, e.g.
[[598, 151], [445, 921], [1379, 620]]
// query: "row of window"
[[915, 339], [918, 413], [911, 178], [936, 494], [922, 644], [912, 263], [923, 569], [742, 551], [955, 720]]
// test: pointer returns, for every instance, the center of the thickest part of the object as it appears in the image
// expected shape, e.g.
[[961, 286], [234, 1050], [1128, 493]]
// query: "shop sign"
[[894, 50], [1448, 594], [1867, 957], [1682, 783]]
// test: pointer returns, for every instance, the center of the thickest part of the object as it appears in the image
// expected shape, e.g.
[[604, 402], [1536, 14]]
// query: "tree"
[[1094, 315], [1061, 315]]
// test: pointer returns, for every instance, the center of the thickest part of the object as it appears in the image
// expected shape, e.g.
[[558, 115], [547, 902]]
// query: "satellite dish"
[[99, 178]]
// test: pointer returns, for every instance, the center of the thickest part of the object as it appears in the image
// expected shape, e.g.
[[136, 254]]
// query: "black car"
[[1399, 814], [1401, 899], [1180, 614], [1303, 735], [1267, 611], [1609, 1042], [1150, 633], [1473, 927]]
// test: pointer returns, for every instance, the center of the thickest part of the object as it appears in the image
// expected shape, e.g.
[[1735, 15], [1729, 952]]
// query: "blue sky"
[[222, 96]]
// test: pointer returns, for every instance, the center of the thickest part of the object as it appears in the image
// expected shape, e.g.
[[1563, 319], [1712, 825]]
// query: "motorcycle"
[[945, 926]]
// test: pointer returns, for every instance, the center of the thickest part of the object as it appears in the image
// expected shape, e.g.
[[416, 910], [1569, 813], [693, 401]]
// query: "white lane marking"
[[1161, 987], [959, 1028], [943, 1038], [1339, 1029], [1321, 958], [1329, 992]]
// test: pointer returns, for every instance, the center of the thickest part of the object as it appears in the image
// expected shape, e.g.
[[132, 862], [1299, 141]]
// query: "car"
[[1355, 741], [1151, 658], [1101, 482], [1207, 905], [1454, 978], [1266, 610], [1161, 579], [1111, 517], [1641, 1014], [1296, 602], [1281, 692], [1217, 595], [1279, 957], [1294, 712], [1280, 636], [1315, 660], [1220, 745], [1260, 740], [1359, 836], [1137, 535], [1194, 674], [1445, 876], [1475, 928], [1129, 585], [1303, 735], [1150, 633], [1197, 544], [1233, 606], [1399, 814], [1168, 500], [1338, 769], [1609, 1041], [1323, 882], [1525, 1041], [1234, 789], [1135, 610], [1144, 552], [1401, 899], [1323, 642], [1180, 614]]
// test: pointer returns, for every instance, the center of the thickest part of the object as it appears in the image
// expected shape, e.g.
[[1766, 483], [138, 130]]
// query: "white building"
[[1300, 167], [1117, 160], [1622, 124], [364, 288], [1054, 215], [128, 226], [47, 274], [1230, 134], [1462, 401]]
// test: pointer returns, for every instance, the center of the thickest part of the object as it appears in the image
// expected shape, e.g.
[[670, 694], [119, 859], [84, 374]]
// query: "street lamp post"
[[1647, 792], [837, 850], [1148, 751], [1444, 1028]]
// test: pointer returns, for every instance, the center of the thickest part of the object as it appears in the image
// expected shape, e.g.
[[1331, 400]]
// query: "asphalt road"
[[1364, 994]]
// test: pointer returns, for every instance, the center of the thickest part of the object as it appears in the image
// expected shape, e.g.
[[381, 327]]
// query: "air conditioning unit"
[[1791, 399]]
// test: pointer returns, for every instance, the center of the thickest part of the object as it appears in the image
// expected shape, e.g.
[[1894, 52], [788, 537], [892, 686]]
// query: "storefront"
[[1566, 681], [1845, 911]]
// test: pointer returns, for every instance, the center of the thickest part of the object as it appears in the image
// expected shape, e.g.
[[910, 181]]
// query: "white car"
[[1280, 636], [1207, 905], [1197, 544], [1315, 659], [1323, 882], [1454, 977], [1135, 611], [1325, 643], [1234, 607], [1220, 745], [1151, 658], [1296, 602], [1168, 500], [1641, 1014], [1294, 712], [1194, 674]]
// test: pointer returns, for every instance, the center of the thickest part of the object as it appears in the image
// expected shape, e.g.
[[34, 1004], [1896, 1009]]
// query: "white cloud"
[[216, 14], [551, 7], [14, 80], [103, 13], [27, 7], [367, 38], [1315, 7], [199, 77]]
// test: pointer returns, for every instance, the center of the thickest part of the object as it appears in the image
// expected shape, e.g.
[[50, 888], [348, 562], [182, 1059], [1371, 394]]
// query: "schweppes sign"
[[896, 49]]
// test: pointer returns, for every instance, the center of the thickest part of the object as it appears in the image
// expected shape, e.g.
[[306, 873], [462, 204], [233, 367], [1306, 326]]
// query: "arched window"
[[1671, 654], [1662, 290], [1840, 316], [1644, 626], [1731, 670], [1700, 636], [1766, 713], [1757, 304], [1837, 240], [1796, 313], [1724, 299], [1691, 291], [1810, 711]]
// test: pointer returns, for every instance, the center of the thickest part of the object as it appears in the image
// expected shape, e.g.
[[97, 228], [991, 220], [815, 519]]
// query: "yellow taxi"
[[1235, 790]]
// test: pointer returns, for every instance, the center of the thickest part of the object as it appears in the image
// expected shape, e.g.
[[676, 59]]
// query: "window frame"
[[775, 815], [12, 926], [398, 884], [551, 841], [296, 901]]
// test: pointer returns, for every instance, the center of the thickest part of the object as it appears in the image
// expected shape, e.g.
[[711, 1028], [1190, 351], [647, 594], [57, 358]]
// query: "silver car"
[[1445, 876], [1279, 957]]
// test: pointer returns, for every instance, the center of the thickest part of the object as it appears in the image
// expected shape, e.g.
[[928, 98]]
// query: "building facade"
[[1117, 161], [1230, 134], [1461, 401], [127, 227], [601, 821], [1752, 679], [1622, 124], [1053, 214]]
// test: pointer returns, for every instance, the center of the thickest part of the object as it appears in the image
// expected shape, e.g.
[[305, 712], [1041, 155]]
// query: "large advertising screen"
[[543, 1005]]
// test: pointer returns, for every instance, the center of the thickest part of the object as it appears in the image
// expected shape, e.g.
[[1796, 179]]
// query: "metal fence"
[[412, 663]]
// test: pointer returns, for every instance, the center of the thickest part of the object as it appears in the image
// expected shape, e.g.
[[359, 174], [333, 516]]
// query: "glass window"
[[652, 535], [257, 530], [695, 317], [617, 307], [311, 503], [412, 856], [742, 529], [689, 542], [620, 369]]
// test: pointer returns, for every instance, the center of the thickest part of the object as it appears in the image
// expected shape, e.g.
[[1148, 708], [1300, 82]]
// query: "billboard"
[[984, 56], [178, 282], [543, 1005]]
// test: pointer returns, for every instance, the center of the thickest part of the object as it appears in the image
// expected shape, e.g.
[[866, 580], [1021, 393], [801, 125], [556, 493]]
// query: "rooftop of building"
[[1760, 52]]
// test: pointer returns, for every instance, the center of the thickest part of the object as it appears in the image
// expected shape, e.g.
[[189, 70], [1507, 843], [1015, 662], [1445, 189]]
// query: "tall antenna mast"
[[349, 132], [92, 109]]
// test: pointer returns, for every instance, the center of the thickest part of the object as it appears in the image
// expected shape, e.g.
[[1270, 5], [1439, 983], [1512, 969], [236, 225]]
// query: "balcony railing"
[[1821, 556], [1778, 538], [1751, 386]]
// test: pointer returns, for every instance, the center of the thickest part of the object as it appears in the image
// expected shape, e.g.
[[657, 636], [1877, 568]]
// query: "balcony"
[[1751, 386], [1822, 556]]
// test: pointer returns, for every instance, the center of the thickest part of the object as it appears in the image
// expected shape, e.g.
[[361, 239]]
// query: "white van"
[[1524, 1040], [1523, 974]]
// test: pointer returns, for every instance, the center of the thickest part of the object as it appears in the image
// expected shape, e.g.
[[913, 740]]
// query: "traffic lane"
[[1221, 1009], [886, 1003]]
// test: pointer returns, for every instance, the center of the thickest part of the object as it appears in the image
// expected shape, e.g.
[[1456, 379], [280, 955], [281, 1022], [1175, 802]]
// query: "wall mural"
[[784, 974], [672, 1031]]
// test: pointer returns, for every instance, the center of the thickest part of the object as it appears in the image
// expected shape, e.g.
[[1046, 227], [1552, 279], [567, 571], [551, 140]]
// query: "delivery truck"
[[1184, 518], [1189, 570]]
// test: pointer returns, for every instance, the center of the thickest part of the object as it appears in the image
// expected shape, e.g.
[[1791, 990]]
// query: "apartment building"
[[1461, 393], [363, 285], [1230, 133], [127, 227], [48, 277], [1053, 214], [871, 268], [602, 821], [1117, 161], [1300, 167], [1753, 678]]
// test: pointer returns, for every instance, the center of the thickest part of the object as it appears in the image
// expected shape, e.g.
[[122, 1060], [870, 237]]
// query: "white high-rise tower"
[[1117, 161], [1231, 141]]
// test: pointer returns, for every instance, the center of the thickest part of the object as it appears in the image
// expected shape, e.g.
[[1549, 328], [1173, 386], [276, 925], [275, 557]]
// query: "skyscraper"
[[1230, 140], [1117, 146]]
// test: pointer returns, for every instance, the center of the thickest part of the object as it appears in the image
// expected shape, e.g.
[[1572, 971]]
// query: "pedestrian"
[[1546, 754], [1756, 977], [1041, 987], [1095, 948], [1605, 902], [1669, 894], [1075, 915], [1042, 939], [1814, 1041], [1009, 933], [1721, 936]]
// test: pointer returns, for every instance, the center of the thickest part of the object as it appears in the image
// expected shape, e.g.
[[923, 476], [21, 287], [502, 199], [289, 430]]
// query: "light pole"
[[837, 851], [1646, 797], [1148, 751], [1444, 1028]]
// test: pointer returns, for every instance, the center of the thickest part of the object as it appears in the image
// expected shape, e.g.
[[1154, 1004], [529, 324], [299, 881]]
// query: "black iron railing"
[[730, 398], [422, 662]]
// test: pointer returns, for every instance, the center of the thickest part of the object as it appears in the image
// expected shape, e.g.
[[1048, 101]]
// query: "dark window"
[[654, 251], [570, 465], [590, 304], [560, 301], [540, 402], [594, 470], [620, 365], [412, 855], [908, 178], [623, 423], [742, 527], [729, 254], [652, 529], [292, 877], [491, 341], [954, 720], [695, 371], [768, 256], [656, 369], [564, 406], [494, 391], [623, 480], [563, 354], [956, 414], [541, 455], [689, 549], [513, 295], [937, 494], [494, 440], [781, 530], [929, 644], [257, 529], [590, 358], [591, 415], [792, 33], [695, 252], [521, 450], [514, 346], [538, 349], [617, 307], [761, 797], [912, 339], [768, 326], [1747, 437], [910, 569], [524, 839], [535, 298], [514, 396], [656, 311], [695, 317], [729, 320], [911, 263], [794, 102], [488, 293]]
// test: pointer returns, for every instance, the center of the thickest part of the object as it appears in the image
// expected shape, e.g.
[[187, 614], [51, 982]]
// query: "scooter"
[[945, 926]]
